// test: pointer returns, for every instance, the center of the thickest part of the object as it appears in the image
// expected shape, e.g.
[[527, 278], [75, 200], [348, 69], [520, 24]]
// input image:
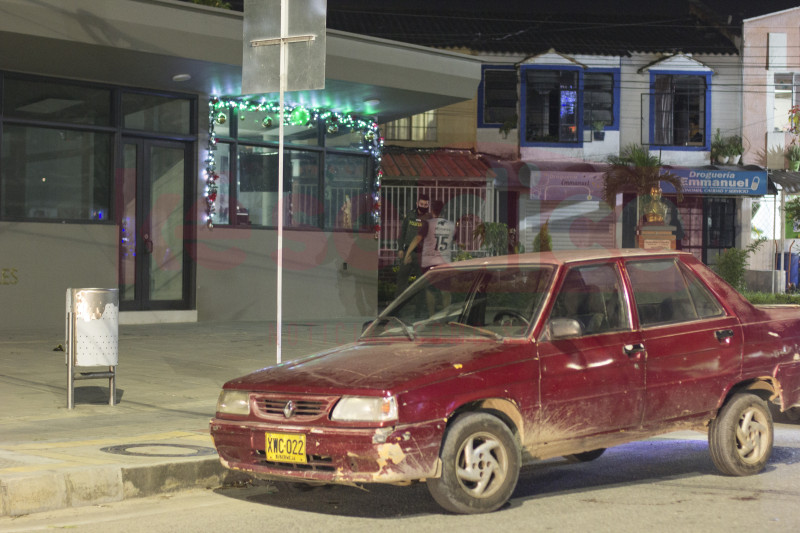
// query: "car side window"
[[667, 294], [704, 302], [591, 295]]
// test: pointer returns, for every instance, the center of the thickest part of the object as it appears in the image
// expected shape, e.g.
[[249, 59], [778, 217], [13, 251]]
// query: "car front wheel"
[[740, 438], [480, 465]]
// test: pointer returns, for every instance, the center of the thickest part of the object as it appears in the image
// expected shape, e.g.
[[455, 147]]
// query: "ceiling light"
[[372, 101], [181, 77]]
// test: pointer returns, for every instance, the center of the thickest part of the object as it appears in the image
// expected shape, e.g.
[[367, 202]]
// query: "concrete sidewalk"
[[156, 438]]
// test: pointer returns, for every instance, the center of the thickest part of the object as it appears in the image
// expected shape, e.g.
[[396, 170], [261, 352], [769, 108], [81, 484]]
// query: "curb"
[[51, 490]]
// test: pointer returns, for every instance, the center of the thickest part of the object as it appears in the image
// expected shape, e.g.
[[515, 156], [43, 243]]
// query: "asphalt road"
[[666, 484]]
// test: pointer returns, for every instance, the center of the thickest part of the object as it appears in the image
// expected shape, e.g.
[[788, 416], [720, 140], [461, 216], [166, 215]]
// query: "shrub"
[[732, 264], [757, 298], [543, 242]]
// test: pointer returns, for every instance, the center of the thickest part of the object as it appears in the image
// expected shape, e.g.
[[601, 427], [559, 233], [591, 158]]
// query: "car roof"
[[564, 256]]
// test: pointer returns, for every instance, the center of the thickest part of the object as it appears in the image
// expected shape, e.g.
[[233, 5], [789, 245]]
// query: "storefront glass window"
[[56, 102], [257, 187], [258, 126], [346, 198], [327, 173], [57, 174], [157, 114], [222, 160]]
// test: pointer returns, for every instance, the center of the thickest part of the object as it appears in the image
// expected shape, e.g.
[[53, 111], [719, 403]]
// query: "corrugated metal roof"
[[434, 164], [787, 179]]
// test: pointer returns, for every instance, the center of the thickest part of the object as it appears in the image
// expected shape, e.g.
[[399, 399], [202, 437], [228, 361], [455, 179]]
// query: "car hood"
[[371, 366]]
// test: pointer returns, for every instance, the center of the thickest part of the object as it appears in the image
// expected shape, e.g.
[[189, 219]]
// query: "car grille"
[[271, 407]]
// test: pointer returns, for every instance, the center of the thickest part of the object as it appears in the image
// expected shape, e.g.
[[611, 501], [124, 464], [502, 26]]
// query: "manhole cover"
[[156, 449]]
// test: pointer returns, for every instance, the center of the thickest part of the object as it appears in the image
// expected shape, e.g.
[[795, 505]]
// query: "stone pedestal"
[[657, 236]]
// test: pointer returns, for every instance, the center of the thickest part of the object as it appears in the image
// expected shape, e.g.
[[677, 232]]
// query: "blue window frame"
[[680, 110], [497, 96], [559, 102], [601, 97]]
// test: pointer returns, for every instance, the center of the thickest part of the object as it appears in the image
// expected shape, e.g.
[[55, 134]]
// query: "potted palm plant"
[[735, 149], [719, 149], [635, 169]]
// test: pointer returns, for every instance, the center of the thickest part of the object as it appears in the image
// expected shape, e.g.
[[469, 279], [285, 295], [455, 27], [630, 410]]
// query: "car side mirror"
[[562, 328]]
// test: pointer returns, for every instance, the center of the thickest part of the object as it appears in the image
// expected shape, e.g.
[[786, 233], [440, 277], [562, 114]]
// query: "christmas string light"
[[297, 115]]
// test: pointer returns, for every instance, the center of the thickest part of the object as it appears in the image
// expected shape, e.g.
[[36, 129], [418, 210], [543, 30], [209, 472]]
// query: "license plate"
[[285, 447]]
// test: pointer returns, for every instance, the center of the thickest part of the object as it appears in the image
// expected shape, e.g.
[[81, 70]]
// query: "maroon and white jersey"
[[437, 241]]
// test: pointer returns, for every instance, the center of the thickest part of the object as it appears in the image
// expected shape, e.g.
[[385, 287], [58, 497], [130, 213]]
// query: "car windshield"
[[487, 302]]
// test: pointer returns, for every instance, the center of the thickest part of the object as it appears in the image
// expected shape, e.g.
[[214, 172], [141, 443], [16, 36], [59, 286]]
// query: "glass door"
[[154, 266]]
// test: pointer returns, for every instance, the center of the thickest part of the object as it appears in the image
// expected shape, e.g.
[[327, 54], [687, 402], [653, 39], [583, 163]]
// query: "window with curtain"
[[551, 106], [679, 110]]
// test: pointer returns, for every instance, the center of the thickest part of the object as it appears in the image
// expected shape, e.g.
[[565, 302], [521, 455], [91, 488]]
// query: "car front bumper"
[[335, 455]]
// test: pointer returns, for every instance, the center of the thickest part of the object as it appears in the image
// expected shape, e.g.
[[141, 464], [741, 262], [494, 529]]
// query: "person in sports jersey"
[[436, 238]]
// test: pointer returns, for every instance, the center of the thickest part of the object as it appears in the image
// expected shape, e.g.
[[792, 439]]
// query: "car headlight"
[[234, 402], [365, 409]]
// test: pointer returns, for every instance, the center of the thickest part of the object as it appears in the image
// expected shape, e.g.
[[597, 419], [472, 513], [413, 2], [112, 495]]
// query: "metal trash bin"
[[92, 337]]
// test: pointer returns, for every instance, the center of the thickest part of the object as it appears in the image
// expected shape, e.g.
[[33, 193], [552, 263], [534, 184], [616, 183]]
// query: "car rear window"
[[665, 293]]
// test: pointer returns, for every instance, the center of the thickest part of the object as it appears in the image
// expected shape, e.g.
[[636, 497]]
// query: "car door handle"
[[723, 335], [633, 351], [148, 244]]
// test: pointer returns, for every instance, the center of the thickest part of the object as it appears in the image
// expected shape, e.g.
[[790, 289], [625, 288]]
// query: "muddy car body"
[[484, 365]]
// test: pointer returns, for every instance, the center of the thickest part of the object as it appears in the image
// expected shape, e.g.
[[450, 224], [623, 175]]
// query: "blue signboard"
[[719, 182]]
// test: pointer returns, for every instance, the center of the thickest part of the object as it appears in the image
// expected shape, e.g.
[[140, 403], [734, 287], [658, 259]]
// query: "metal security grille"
[[466, 206]]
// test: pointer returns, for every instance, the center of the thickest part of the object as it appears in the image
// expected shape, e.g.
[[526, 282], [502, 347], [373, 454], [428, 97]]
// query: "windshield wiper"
[[406, 329], [482, 331]]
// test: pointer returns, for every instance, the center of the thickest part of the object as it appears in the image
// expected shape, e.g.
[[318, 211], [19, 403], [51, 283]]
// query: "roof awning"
[[449, 165], [787, 179], [551, 180]]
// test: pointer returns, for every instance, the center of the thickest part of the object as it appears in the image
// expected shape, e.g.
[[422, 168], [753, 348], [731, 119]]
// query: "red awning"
[[451, 165]]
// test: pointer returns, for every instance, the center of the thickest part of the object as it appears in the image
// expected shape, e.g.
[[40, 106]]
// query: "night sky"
[[735, 9]]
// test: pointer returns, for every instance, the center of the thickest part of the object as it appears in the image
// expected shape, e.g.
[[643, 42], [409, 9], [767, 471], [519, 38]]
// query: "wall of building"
[[325, 274], [726, 103], [40, 261], [455, 128], [764, 144]]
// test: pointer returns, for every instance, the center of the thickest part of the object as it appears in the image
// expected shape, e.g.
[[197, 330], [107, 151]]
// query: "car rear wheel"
[[480, 465], [740, 438], [585, 457]]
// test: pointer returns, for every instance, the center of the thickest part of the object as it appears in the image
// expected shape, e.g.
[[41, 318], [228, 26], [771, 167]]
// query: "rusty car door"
[[593, 380], [693, 346]]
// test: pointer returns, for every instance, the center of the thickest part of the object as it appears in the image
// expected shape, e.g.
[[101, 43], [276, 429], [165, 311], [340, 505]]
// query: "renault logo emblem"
[[289, 409]]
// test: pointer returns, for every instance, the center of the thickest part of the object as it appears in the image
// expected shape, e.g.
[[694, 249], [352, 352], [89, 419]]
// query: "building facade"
[[123, 129]]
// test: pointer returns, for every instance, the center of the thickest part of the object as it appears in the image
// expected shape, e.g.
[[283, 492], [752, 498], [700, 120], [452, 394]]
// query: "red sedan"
[[482, 366]]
